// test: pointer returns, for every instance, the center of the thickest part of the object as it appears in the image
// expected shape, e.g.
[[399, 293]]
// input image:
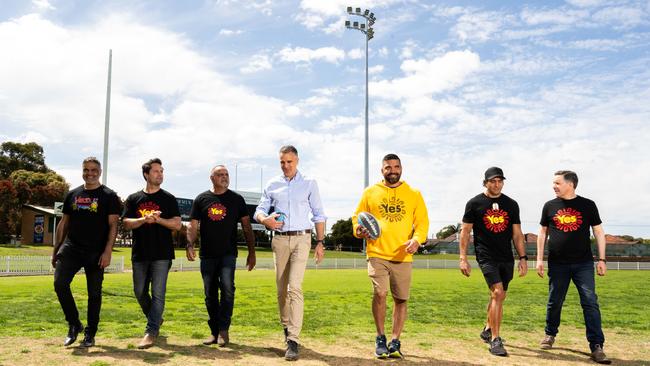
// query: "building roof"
[[615, 239], [43, 210]]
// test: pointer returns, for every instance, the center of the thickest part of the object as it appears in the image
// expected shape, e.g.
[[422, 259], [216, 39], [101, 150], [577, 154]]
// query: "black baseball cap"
[[494, 172]]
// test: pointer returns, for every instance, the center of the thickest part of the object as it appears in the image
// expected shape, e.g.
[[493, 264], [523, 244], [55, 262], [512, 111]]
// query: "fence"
[[38, 265]]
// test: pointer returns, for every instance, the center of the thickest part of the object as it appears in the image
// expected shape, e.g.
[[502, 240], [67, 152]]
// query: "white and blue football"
[[370, 223]]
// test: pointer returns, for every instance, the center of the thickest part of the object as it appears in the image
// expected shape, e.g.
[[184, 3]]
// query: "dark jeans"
[[67, 266], [154, 274], [582, 275], [219, 277]]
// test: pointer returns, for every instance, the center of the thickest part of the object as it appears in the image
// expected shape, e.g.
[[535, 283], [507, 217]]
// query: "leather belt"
[[294, 233]]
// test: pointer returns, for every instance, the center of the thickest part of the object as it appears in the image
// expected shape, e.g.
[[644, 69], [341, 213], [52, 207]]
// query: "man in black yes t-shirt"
[[152, 214], [84, 239], [494, 218], [566, 220], [217, 212]]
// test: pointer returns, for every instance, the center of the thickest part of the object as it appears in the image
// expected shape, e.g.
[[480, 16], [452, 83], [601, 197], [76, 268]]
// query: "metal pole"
[[107, 119], [365, 181]]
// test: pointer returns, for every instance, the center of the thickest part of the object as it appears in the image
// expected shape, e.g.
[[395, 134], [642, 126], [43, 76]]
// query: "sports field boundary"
[[40, 265]]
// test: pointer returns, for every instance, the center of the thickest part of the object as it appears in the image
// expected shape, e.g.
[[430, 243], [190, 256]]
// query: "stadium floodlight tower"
[[366, 29]]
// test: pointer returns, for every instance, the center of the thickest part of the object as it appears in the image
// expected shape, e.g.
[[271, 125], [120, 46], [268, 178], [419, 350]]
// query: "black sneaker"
[[486, 335], [496, 347], [89, 340], [394, 349], [292, 351], [381, 351], [73, 332], [599, 356]]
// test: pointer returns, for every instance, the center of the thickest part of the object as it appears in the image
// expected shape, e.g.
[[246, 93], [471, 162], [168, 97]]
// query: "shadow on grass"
[[235, 351], [570, 355], [307, 353]]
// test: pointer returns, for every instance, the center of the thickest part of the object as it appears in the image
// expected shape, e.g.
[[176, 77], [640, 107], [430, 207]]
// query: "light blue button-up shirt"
[[297, 198]]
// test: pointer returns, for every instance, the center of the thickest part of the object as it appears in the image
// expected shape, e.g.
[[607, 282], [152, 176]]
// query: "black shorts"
[[495, 272]]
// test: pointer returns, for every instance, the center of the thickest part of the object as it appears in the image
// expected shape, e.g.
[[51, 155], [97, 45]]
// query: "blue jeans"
[[582, 275], [219, 277], [154, 274]]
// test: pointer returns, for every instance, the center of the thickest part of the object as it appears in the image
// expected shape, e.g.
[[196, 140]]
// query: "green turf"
[[337, 304]]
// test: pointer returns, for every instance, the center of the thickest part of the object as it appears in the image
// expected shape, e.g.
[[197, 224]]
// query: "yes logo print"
[[146, 208], [568, 219], [217, 211], [392, 209], [496, 220]]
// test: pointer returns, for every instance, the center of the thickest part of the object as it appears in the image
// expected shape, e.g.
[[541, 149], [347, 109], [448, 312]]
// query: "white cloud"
[[599, 44], [307, 55], [263, 6], [479, 26], [425, 77], [42, 5], [310, 20], [377, 69], [230, 32], [259, 62], [623, 17], [315, 13], [555, 16], [310, 106], [383, 52], [340, 121], [56, 88], [407, 49], [336, 7], [356, 53], [586, 3]]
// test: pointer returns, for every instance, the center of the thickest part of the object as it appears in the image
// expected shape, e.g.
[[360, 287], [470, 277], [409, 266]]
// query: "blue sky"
[[455, 87]]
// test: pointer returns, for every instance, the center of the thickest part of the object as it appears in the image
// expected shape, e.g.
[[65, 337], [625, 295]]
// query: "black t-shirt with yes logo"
[[218, 215], [492, 220], [568, 223], [151, 241]]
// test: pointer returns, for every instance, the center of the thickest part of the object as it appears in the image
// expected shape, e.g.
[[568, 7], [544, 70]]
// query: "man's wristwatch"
[[523, 257], [602, 260], [319, 242]]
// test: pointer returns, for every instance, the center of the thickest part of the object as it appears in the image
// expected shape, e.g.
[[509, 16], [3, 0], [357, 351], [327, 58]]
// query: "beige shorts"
[[383, 273]]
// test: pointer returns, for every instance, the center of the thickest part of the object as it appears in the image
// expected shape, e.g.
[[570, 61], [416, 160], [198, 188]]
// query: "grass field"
[[446, 313]]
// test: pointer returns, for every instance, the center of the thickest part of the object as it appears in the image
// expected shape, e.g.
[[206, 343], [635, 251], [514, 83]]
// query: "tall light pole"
[[366, 29], [107, 118]]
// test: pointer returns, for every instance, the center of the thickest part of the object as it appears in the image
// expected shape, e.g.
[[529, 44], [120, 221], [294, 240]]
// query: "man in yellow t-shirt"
[[404, 223]]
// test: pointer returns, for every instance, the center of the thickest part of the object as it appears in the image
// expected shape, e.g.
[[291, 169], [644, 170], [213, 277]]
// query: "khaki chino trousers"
[[290, 254]]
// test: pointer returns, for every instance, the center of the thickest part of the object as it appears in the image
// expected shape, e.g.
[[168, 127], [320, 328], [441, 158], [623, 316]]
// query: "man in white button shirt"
[[294, 197]]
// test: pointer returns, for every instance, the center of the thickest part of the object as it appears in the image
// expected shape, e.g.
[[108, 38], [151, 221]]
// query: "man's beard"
[[392, 178]]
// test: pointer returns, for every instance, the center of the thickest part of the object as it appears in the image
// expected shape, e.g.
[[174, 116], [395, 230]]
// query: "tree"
[[25, 179], [8, 211], [446, 231], [39, 188], [16, 156], [341, 236]]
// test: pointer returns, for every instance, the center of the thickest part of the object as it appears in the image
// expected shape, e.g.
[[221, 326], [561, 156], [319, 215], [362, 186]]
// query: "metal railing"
[[38, 265], [13, 265]]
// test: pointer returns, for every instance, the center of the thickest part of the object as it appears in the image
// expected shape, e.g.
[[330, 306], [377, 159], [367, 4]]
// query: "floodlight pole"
[[367, 30], [366, 180], [369, 33], [107, 119]]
